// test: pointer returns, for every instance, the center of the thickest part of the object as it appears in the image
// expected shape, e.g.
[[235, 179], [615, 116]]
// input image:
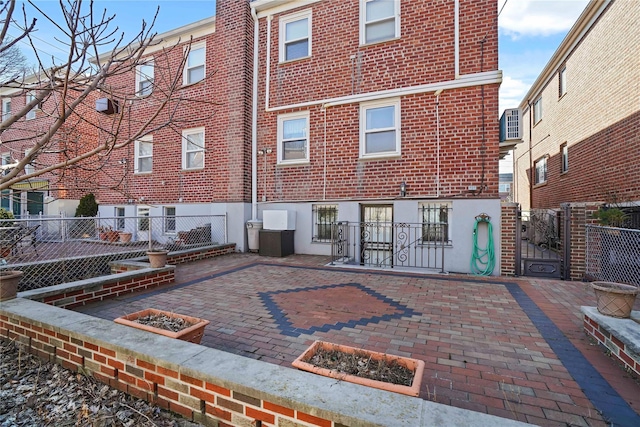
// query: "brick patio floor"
[[509, 347]]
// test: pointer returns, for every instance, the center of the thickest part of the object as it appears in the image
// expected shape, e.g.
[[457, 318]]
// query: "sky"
[[529, 33]]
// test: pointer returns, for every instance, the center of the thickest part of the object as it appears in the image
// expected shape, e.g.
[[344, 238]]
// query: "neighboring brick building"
[[357, 97], [53, 192], [581, 116]]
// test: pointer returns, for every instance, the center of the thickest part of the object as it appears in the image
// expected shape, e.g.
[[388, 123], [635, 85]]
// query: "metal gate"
[[542, 248]]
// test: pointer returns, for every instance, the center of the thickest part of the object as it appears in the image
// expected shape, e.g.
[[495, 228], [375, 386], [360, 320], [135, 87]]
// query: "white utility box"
[[279, 220]]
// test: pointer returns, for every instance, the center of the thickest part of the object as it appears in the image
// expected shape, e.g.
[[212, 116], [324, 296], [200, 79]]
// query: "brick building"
[[51, 192], [581, 116], [349, 110], [358, 98]]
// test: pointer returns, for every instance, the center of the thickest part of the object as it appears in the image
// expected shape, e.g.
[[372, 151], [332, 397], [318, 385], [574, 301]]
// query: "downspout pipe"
[[456, 26], [254, 120]]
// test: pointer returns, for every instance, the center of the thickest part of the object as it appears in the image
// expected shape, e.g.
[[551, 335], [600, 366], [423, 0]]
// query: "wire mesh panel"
[[57, 250], [613, 254]]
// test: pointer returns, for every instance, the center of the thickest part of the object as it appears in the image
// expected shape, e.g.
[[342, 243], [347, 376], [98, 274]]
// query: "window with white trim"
[[323, 217], [564, 158], [144, 155], [562, 82], [537, 110], [144, 78], [380, 128], [32, 113], [120, 222], [6, 108], [293, 138], [379, 20], [6, 160], [435, 219], [295, 36], [169, 219], [540, 167], [193, 148], [194, 68]]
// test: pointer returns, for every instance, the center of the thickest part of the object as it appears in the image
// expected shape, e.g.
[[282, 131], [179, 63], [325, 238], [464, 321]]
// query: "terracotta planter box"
[[192, 334], [110, 236], [417, 366]]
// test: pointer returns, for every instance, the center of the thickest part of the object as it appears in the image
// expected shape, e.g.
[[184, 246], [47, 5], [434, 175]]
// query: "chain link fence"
[[54, 250], [613, 254]]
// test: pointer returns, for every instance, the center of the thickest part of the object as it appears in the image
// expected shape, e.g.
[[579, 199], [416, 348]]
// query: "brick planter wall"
[[610, 333]]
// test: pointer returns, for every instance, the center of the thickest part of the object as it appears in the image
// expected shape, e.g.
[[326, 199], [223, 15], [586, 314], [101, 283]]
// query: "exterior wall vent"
[[511, 125]]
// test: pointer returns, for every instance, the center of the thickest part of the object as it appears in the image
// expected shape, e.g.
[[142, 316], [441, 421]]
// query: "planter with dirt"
[[379, 370], [172, 325]]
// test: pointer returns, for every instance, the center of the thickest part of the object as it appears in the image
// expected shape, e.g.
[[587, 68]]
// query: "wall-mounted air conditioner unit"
[[511, 125]]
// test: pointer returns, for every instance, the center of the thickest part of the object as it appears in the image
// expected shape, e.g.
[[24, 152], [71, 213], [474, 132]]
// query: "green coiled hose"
[[483, 261]]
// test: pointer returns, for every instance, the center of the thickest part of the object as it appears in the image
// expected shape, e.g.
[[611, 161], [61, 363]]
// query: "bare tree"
[[71, 143], [13, 64]]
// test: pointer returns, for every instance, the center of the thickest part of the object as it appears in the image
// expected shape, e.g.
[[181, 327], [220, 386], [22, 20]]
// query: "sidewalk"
[[507, 347]]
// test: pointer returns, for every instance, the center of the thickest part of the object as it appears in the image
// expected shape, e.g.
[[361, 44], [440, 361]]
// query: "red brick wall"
[[423, 54], [602, 167], [618, 350], [221, 104], [580, 215], [508, 240]]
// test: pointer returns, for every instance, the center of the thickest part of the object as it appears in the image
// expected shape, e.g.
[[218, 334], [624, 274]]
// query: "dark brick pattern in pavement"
[[482, 350]]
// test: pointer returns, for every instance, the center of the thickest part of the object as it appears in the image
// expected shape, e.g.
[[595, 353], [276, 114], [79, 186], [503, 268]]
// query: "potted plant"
[[9, 280], [157, 257], [615, 299], [108, 234], [172, 325], [379, 370], [125, 236]]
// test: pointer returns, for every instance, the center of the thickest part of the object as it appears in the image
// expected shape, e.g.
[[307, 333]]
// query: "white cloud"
[[539, 17], [511, 92]]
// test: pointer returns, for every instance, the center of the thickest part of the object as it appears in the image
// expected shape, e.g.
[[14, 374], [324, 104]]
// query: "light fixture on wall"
[[403, 189], [262, 152]]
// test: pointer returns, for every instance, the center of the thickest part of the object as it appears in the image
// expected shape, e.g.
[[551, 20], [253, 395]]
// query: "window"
[[537, 110], [194, 68], [144, 155], [435, 222], [564, 158], [6, 160], [120, 224], [504, 187], [143, 219], [32, 113], [28, 168], [169, 220], [144, 79], [379, 20], [293, 138], [6, 199], [193, 149], [562, 82], [323, 216], [380, 129], [295, 36], [6, 108], [541, 170]]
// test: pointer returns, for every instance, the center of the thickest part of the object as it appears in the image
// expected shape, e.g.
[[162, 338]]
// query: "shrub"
[[87, 206]]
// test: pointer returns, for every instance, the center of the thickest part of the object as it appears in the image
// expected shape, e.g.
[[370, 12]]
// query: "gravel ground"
[[35, 393]]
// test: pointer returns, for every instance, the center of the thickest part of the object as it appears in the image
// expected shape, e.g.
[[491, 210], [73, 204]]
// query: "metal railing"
[[389, 245], [613, 254], [57, 250]]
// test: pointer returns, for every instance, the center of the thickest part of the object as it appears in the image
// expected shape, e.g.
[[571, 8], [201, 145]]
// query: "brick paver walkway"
[[508, 347]]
